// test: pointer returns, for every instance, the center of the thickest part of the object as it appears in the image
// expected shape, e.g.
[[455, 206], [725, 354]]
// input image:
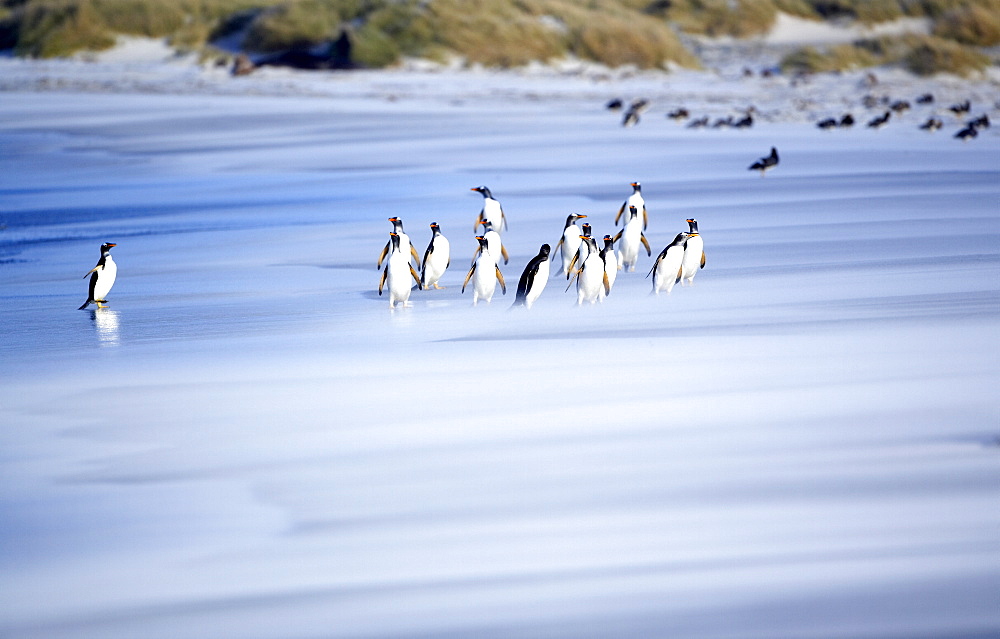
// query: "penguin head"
[[635, 186], [397, 224], [586, 230], [632, 211], [681, 238], [693, 225], [544, 250], [482, 241], [482, 189], [435, 227], [487, 226], [107, 246], [394, 238], [608, 241]]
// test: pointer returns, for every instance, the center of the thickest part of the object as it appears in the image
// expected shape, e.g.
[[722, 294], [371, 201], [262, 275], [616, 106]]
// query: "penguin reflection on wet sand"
[[765, 163], [667, 268], [694, 253], [102, 278], [485, 273], [437, 258], [491, 210], [397, 274], [405, 245], [533, 279]]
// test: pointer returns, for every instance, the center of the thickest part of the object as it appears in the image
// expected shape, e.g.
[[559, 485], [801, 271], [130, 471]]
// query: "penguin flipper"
[[479, 250], [655, 264], [382, 255], [576, 275], [381, 281], [479, 220], [503, 285], [558, 244], [607, 284], [469, 276], [93, 270], [416, 278], [572, 263], [703, 259], [621, 210], [617, 237], [503, 220], [645, 218], [506, 256], [645, 243], [680, 271], [416, 256]]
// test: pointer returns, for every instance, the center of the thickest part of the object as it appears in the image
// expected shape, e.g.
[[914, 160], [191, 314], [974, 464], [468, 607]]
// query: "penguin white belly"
[[493, 213], [591, 280], [692, 258], [399, 278], [570, 246], [494, 244], [484, 280], [537, 284], [105, 279], [630, 242], [665, 275], [437, 261]]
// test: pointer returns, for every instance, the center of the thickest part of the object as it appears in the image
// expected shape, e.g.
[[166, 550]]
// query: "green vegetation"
[[502, 33]]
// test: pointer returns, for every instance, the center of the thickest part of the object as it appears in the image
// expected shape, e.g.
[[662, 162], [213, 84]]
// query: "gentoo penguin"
[[765, 163], [491, 210], [610, 258], [437, 258], [694, 253], [846, 121], [828, 123], [678, 114], [591, 277], [615, 104], [635, 200], [533, 279], [493, 242], [570, 241], [404, 243], [698, 123], [667, 269], [484, 275], [631, 238], [926, 98], [961, 108], [631, 117], [102, 277], [880, 121], [982, 122], [900, 105], [397, 273]]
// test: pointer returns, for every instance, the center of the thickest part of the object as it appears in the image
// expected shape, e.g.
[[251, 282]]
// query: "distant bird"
[[899, 106], [397, 274], [765, 163], [404, 243], [635, 109], [880, 121], [926, 98], [591, 277], [666, 269], [961, 108], [967, 133], [828, 123], [745, 122], [678, 114], [932, 124], [721, 123], [982, 122], [484, 275], [635, 200], [614, 104], [570, 240], [102, 278], [610, 258], [491, 210], [694, 253], [698, 123], [631, 238], [847, 120], [437, 258], [533, 279], [494, 243]]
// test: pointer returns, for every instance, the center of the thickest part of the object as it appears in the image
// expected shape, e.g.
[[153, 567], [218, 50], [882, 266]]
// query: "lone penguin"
[[533, 279], [102, 277], [765, 163]]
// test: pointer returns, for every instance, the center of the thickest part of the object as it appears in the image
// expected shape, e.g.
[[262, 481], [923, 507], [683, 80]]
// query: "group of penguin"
[[594, 269]]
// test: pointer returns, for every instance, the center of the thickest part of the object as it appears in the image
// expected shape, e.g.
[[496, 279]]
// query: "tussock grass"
[[975, 24], [923, 55]]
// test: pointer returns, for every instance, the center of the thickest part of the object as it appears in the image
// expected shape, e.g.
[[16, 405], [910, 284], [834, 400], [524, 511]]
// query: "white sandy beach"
[[248, 443]]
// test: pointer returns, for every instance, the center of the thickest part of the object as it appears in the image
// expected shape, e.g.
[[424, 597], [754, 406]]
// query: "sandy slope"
[[249, 443]]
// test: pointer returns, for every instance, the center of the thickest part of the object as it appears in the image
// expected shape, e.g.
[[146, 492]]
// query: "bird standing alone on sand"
[[102, 277], [765, 163]]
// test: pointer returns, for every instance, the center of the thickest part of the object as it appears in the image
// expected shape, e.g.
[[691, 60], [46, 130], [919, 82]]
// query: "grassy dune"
[[500, 33]]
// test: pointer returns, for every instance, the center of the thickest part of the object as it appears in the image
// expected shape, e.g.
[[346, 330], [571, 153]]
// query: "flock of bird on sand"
[[591, 267]]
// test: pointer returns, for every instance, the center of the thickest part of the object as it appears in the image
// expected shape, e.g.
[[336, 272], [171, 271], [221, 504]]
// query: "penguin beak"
[[110, 244]]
